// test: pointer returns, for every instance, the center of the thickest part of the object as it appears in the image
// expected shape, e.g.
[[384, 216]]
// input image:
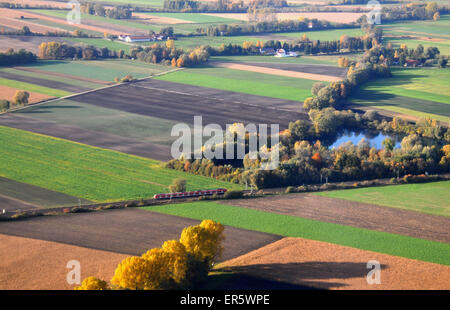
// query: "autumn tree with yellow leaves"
[[175, 265]]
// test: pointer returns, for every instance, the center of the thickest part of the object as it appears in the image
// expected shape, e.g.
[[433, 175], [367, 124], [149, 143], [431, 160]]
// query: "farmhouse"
[[411, 63], [130, 38], [282, 53]]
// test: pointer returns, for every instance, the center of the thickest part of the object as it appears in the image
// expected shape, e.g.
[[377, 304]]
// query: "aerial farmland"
[[284, 146]]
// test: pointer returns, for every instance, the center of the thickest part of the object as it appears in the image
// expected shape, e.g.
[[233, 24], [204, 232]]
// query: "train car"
[[208, 192]]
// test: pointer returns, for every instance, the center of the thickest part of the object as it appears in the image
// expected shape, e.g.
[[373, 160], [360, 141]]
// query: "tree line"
[[116, 12], [12, 58]]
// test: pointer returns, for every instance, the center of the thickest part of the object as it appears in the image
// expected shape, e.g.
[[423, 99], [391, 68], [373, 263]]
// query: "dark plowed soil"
[[43, 82], [127, 231], [315, 69], [182, 107], [94, 138], [397, 221], [21, 196], [224, 95]]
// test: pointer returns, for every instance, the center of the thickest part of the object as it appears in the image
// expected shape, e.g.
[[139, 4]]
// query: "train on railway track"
[[208, 192]]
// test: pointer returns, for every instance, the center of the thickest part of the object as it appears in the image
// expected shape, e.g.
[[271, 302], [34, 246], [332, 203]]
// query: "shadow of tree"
[[307, 275]]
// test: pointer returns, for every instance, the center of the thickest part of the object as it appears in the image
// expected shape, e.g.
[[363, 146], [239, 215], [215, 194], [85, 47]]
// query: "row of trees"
[[56, 50], [177, 264], [169, 55], [12, 58], [414, 11], [271, 26], [117, 12], [20, 99], [305, 157]]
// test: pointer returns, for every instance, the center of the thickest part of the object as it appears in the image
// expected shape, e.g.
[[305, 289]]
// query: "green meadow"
[[291, 226], [244, 82], [421, 92], [87, 172], [432, 198]]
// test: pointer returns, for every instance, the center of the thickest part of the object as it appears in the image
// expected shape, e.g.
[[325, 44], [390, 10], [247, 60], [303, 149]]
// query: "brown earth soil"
[[130, 231], [280, 72], [30, 264], [8, 93], [85, 136], [18, 196], [160, 19], [180, 105], [329, 266], [356, 214], [78, 78]]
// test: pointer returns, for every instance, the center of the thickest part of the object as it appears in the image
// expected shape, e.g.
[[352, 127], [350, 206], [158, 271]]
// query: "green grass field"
[[432, 198], [104, 70], [417, 92], [244, 82], [91, 117], [34, 88], [425, 32], [88, 172], [291, 226]]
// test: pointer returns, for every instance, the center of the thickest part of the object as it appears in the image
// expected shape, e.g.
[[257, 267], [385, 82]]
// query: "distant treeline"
[[25, 31], [220, 6], [271, 27], [55, 50], [414, 11], [16, 58]]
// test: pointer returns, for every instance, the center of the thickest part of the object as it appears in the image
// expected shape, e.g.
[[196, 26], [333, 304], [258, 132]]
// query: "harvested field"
[[89, 137], [329, 266], [160, 19], [8, 93], [17, 13], [79, 78], [43, 82], [14, 23], [281, 72], [356, 214], [21, 196], [333, 17], [150, 98], [30, 264], [128, 231], [223, 95], [135, 127], [30, 43], [303, 68]]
